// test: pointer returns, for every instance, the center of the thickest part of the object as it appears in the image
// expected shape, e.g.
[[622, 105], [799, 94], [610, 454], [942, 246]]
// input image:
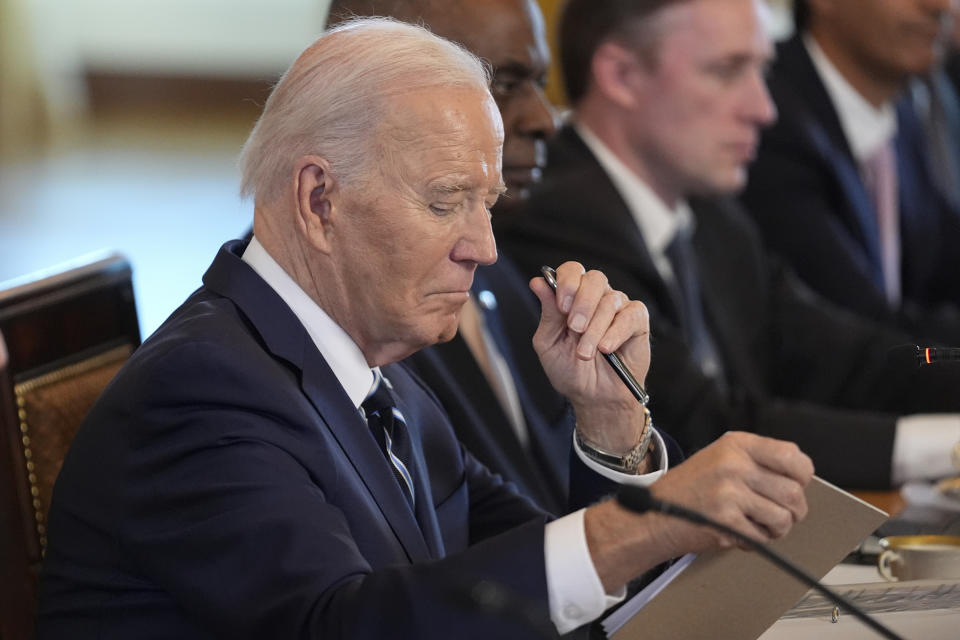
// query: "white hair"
[[331, 101]]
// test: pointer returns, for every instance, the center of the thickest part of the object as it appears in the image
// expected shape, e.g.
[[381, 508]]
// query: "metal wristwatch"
[[627, 462]]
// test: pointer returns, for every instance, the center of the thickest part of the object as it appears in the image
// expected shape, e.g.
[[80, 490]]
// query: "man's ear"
[[615, 70], [317, 196]]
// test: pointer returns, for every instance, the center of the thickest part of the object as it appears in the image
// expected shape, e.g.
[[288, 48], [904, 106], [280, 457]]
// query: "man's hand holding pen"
[[585, 319]]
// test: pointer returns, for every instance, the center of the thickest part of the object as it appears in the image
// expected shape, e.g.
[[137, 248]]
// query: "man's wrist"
[[632, 460]]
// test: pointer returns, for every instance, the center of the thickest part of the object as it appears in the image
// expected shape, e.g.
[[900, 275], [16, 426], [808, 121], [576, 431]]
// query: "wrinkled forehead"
[[443, 115], [442, 130]]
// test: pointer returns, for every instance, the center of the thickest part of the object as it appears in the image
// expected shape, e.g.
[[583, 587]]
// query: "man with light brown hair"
[[669, 102]]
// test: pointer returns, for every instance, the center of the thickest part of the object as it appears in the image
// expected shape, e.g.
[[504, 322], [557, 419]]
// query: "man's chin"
[[439, 330], [447, 333], [720, 186]]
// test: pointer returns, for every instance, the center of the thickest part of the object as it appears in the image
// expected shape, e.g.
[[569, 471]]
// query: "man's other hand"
[[750, 483], [583, 320]]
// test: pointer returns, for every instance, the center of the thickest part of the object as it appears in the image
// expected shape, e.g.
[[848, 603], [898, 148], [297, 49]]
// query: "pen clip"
[[550, 275]]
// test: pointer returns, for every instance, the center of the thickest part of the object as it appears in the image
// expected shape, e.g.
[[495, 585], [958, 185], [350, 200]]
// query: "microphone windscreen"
[[636, 499], [910, 356]]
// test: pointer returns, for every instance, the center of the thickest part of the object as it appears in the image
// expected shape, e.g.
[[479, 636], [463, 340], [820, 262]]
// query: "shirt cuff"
[[644, 480], [922, 446], [574, 589]]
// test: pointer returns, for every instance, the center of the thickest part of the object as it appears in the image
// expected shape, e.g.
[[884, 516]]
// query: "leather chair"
[[64, 334]]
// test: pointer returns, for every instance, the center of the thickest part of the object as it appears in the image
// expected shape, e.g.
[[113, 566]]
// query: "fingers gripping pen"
[[550, 275]]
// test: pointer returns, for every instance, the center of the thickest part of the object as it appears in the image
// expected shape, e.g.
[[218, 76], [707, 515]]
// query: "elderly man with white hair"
[[262, 468]]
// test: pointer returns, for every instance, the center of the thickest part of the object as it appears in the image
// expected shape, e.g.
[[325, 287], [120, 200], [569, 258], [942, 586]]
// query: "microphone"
[[641, 500], [910, 355]]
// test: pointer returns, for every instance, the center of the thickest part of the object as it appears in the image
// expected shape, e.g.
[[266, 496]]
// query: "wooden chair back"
[[64, 334]]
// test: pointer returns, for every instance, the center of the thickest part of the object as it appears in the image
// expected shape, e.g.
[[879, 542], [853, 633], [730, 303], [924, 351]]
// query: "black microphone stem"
[[638, 502]]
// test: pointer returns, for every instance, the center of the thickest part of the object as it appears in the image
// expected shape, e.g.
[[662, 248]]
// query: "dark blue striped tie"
[[390, 431]]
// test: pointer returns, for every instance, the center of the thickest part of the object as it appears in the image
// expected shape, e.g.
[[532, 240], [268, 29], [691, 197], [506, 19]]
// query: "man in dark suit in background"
[[842, 186], [263, 468], [668, 101], [488, 377]]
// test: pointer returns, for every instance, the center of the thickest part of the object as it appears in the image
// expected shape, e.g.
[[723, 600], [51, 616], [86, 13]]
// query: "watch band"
[[627, 462]]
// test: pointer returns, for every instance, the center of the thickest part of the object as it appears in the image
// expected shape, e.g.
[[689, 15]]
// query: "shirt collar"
[[335, 345], [866, 127], [658, 223]]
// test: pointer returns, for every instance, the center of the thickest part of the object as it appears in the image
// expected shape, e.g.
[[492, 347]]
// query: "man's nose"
[[759, 106], [477, 243]]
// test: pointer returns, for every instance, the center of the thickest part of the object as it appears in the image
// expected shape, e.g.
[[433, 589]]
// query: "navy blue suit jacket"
[[225, 486], [450, 370], [787, 353], [806, 193]]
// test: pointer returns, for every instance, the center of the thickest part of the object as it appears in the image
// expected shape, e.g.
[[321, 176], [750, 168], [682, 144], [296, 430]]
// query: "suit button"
[[572, 611]]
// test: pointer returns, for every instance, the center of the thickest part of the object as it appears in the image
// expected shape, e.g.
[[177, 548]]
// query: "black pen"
[[550, 275]]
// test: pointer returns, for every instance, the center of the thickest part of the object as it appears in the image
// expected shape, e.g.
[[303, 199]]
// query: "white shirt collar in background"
[[658, 223], [338, 349], [866, 127]]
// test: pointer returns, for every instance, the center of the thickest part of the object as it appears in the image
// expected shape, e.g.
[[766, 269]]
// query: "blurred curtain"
[[23, 113], [551, 12]]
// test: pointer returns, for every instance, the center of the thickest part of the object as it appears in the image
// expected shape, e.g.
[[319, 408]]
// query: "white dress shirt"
[[576, 595], [658, 223], [922, 443], [866, 127]]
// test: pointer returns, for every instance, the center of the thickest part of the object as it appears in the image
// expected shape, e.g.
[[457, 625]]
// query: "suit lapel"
[[800, 77], [919, 202], [860, 216], [621, 235], [286, 338], [463, 366], [525, 383], [353, 435]]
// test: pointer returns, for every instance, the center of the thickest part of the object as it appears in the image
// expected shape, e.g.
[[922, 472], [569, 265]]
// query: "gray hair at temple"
[[333, 99]]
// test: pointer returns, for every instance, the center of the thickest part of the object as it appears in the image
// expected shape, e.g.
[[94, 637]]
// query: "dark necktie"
[[390, 431], [684, 264], [937, 104]]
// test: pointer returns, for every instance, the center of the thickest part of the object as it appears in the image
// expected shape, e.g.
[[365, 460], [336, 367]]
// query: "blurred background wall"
[[121, 121]]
